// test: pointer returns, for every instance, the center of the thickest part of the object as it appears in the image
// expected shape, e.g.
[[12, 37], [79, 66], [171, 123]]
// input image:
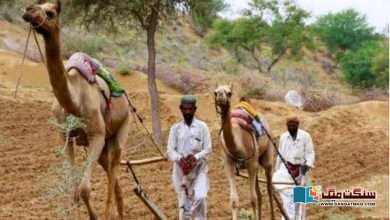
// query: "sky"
[[376, 11]]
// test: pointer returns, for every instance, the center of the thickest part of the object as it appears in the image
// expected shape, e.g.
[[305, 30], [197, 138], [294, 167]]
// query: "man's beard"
[[188, 118], [293, 132]]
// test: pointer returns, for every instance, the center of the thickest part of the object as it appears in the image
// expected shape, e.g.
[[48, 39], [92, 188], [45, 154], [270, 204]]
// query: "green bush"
[[358, 66], [343, 31], [124, 69]]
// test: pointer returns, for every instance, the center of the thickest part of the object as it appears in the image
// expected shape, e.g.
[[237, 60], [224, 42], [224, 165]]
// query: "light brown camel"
[[105, 133], [241, 146]]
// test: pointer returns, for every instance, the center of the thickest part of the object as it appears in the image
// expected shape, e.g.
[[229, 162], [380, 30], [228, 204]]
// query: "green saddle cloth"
[[115, 88]]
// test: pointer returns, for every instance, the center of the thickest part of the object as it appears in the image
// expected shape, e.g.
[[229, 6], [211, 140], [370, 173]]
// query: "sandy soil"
[[351, 144]]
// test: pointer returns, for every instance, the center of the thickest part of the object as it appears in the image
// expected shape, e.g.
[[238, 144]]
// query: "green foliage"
[[358, 66], [124, 69], [380, 66], [282, 30], [342, 31], [241, 34], [204, 12], [71, 123]]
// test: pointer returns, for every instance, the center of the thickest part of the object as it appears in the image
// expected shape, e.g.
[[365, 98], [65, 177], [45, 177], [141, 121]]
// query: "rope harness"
[[237, 161]]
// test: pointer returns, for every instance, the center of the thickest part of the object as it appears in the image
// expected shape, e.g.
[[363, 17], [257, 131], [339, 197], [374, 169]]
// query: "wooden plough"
[[152, 206]]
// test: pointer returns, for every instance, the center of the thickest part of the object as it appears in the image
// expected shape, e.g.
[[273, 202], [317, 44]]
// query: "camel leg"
[[259, 197], [268, 174], [104, 162], [255, 194], [266, 162], [230, 169], [120, 143], [96, 145]]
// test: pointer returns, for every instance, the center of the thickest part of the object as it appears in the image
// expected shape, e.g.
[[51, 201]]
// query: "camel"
[[105, 132], [241, 146]]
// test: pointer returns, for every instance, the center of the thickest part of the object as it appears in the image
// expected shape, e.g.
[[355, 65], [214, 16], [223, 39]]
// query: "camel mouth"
[[221, 102]]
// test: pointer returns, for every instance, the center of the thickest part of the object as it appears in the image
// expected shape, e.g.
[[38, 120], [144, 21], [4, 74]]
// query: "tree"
[[380, 65], [342, 31], [268, 23], [145, 15], [367, 66], [204, 12], [244, 34]]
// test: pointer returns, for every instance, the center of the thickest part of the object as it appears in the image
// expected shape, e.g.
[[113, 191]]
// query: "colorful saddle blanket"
[[89, 68], [243, 118]]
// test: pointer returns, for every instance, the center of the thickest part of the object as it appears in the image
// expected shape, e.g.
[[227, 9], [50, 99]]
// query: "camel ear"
[[231, 87], [58, 6]]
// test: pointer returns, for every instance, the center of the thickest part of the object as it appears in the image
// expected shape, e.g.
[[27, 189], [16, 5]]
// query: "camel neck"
[[58, 79], [227, 129]]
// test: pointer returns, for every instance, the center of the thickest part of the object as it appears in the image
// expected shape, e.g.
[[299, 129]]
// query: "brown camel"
[[106, 132], [240, 146]]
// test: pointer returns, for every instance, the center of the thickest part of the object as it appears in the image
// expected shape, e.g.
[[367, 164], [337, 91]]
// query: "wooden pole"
[[143, 161]]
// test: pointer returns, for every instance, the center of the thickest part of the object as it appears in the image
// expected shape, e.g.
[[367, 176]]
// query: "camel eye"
[[50, 14], [229, 94]]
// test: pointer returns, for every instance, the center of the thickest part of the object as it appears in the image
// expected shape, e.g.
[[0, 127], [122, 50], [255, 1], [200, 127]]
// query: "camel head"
[[43, 16], [222, 95]]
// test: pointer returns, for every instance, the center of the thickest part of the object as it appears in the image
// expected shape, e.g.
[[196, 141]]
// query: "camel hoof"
[[93, 217], [76, 196]]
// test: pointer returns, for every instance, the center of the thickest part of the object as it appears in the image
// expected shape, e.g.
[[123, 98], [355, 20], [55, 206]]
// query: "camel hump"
[[243, 119], [89, 68], [84, 64]]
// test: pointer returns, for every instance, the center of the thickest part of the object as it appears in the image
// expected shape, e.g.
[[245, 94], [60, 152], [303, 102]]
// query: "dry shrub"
[[374, 94], [315, 101], [183, 80], [254, 87]]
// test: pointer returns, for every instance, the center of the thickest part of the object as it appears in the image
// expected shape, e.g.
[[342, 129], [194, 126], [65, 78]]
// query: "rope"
[[24, 56], [134, 111], [39, 48], [279, 154], [21, 65]]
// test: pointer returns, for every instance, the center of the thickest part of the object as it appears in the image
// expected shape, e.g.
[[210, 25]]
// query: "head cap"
[[292, 119], [188, 99]]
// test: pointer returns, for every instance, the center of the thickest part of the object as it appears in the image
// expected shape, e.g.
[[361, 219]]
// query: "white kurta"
[[298, 152], [185, 140]]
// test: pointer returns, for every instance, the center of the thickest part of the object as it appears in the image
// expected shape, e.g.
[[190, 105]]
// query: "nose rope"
[[43, 20]]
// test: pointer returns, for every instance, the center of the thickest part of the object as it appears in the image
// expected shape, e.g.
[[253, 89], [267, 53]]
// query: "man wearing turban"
[[189, 145]]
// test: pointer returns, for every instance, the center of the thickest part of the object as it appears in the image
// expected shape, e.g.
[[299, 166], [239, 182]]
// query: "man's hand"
[[187, 164], [304, 169], [191, 159]]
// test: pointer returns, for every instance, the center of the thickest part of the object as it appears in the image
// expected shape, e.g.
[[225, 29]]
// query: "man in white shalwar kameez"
[[189, 144], [296, 147]]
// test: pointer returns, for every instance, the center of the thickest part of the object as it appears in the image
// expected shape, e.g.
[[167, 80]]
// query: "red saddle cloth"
[[243, 118]]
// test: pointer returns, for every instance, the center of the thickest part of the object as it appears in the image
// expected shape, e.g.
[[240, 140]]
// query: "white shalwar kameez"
[[298, 152], [185, 140]]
